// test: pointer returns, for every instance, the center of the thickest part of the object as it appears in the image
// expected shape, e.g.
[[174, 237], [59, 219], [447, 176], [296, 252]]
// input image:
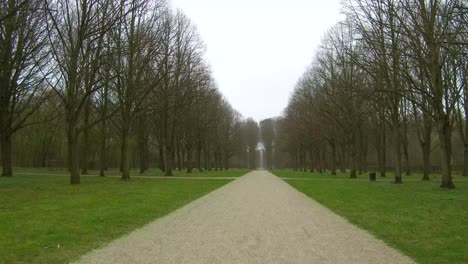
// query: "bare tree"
[[23, 55], [76, 32]]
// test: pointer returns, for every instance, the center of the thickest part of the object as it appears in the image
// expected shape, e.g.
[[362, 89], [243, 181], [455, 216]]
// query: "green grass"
[[425, 222], [136, 172], [364, 176], [43, 219]]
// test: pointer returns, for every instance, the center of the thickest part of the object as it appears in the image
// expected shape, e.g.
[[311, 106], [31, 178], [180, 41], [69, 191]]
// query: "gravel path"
[[257, 218]]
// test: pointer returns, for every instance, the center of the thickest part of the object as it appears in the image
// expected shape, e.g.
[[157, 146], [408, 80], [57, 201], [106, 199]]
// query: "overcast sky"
[[259, 48]]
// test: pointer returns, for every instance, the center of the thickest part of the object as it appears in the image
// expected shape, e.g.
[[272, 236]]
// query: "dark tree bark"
[[199, 157], [6, 156], [189, 163], [169, 158], [162, 161], [445, 132], [73, 156], [333, 158], [124, 155]]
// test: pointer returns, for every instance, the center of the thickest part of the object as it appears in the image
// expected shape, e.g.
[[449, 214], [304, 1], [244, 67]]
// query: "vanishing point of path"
[[257, 218]]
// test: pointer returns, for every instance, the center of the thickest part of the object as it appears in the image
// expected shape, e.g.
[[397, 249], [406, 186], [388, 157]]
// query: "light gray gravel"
[[257, 218]]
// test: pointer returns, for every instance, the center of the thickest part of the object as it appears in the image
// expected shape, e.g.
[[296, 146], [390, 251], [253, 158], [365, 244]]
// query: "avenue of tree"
[[98, 84], [392, 73], [111, 83]]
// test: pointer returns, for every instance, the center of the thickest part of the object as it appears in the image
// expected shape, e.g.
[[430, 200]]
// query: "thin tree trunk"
[[352, 173], [465, 144], [179, 157], [199, 164], [464, 134], [103, 149], [445, 153], [161, 157], [124, 155], [426, 154], [333, 158], [73, 156], [406, 157], [168, 161], [7, 168], [397, 150], [319, 161], [208, 160], [189, 159], [354, 158]]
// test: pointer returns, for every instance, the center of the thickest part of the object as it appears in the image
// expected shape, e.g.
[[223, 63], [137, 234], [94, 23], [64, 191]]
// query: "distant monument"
[[260, 154]]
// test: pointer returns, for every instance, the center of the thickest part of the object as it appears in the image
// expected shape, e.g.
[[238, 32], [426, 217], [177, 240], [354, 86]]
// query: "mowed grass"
[[425, 222], [135, 172], [43, 219]]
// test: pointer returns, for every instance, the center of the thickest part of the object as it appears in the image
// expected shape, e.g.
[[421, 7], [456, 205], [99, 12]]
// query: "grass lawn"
[[136, 172], [43, 219], [422, 220]]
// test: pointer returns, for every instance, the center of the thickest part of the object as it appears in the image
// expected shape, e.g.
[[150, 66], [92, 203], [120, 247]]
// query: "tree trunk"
[[407, 163], [333, 159], [84, 155], [353, 174], [73, 154], [444, 130], [189, 159], [162, 162], [103, 150], [216, 160], [124, 155], [465, 135], [397, 145], [121, 165], [354, 158], [179, 158], [7, 168], [425, 143], [169, 157], [199, 164], [426, 155], [319, 161]]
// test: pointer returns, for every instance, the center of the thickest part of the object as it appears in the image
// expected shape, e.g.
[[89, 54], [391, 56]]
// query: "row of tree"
[[111, 83], [391, 70]]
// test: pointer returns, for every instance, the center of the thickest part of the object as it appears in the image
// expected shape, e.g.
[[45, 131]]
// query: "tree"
[[76, 33], [23, 55]]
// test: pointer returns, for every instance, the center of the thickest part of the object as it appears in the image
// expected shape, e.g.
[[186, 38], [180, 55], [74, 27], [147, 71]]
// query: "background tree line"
[[111, 83], [387, 89]]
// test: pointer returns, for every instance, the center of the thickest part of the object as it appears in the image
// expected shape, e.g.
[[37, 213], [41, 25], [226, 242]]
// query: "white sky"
[[259, 48]]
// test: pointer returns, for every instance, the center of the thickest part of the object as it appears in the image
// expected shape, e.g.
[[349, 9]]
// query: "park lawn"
[[425, 222], [135, 172], [43, 219], [364, 176]]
